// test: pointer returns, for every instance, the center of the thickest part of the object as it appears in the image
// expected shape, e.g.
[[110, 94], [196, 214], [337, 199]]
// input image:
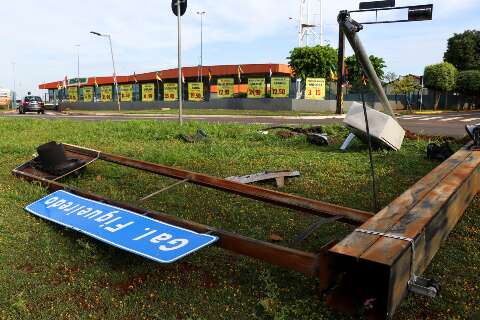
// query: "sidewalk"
[[169, 115]]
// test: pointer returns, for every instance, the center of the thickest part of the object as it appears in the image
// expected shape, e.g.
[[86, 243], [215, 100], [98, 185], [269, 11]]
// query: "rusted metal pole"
[[349, 215], [381, 265], [350, 28], [301, 261]]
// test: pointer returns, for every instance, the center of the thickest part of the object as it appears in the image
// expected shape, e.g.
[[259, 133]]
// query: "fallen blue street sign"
[[121, 228]]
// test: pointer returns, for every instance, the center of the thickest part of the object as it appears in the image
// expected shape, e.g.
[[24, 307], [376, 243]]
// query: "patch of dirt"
[[65, 274], [27, 268], [413, 136], [209, 281], [126, 287]]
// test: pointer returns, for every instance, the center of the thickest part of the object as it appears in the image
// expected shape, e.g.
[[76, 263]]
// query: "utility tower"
[[311, 22]]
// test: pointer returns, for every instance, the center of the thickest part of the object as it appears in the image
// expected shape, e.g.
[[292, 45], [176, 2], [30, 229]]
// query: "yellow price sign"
[[280, 87], [315, 89], [126, 92], [148, 92], [225, 88], [256, 88], [170, 91], [106, 93], [72, 94], [88, 94], [195, 91]]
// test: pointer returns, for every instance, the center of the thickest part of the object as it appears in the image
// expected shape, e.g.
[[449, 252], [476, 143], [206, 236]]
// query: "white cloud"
[[40, 35]]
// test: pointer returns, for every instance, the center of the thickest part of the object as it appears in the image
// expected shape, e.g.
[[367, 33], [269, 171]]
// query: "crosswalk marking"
[[412, 117], [470, 119], [437, 118], [451, 119], [431, 118]]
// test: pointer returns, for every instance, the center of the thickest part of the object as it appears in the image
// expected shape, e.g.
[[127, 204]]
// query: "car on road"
[[31, 104]]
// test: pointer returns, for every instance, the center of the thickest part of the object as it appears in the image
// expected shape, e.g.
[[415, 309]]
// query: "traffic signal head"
[[420, 13]]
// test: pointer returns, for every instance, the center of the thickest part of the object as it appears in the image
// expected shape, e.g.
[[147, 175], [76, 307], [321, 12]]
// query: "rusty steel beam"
[[349, 215], [379, 267], [310, 264]]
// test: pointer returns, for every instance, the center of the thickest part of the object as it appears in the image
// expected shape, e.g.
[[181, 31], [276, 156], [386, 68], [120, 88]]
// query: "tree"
[[407, 86], [441, 78], [315, 62], [464, 50], [390, 77], [354, 76], [468, 84]]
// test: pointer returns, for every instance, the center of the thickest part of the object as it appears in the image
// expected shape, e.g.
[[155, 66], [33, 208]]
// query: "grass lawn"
[[210, 112], [49, 272]]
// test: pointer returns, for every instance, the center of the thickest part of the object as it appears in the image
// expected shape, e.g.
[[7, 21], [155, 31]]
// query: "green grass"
[[210, 112], [49, 272]]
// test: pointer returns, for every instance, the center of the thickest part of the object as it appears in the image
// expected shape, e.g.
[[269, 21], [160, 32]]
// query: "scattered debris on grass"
[[319, 139], [437, 152], [279, 177], [314, 129], [201, 135], [315, 135]]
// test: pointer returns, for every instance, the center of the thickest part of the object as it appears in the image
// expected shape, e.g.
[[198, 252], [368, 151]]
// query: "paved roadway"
[[446, 124]]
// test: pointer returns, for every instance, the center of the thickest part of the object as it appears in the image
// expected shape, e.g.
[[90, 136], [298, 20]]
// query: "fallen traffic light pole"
[[378, 263]]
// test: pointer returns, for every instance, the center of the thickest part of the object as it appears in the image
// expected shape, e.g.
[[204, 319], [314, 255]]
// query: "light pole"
[[201, 14], [113, 63], [14, 95], [78, 70]]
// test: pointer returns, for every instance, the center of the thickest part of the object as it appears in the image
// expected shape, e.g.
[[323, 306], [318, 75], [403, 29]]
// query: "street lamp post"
[[14, 94], [78, 69], [113, 63], [201, 14]]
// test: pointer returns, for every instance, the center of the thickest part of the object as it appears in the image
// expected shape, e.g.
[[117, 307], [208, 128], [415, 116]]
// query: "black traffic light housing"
[[415, 13], [183, 7], [420, 13], [377, 4]]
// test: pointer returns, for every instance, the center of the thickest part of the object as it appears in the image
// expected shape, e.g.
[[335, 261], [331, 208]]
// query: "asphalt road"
[[447, 124]]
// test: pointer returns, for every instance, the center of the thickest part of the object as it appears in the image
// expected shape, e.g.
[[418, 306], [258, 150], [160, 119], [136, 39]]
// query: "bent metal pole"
[[350, 28]]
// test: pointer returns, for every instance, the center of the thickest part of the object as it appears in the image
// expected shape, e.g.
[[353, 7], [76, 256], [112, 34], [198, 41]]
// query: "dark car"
[[32, 104]]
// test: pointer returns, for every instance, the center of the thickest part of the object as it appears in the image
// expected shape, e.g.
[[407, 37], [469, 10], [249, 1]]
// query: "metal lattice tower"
[[310, 26]]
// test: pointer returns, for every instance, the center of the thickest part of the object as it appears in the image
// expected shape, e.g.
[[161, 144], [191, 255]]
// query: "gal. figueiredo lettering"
[[113, 222]]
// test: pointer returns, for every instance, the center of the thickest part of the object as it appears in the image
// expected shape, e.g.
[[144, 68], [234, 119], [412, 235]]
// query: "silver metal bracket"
[[279, 177], [424, 287]]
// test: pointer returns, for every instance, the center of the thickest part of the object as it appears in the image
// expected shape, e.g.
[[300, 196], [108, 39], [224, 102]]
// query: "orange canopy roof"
[[188, 72]]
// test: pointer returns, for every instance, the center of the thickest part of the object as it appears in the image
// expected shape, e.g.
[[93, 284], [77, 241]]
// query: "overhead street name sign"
[[120, 228]]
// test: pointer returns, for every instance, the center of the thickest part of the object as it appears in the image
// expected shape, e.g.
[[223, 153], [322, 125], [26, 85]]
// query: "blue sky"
[[40, 36]]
